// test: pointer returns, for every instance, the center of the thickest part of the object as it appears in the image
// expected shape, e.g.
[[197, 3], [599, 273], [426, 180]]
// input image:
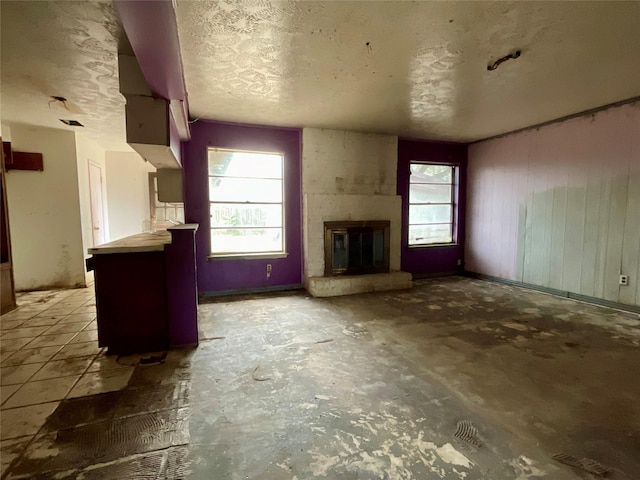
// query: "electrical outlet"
[[624, 279], [268, 270]]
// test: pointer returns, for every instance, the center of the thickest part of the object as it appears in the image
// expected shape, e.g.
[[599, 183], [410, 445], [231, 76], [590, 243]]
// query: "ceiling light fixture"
[[497, 63], [72, 123]]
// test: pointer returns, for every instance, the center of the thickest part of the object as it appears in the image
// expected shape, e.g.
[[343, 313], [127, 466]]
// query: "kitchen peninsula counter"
[[146, 291], [141, 242]]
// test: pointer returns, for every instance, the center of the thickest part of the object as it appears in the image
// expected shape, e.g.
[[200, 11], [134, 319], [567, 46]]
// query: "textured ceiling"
[[409, 68], [422, 74], [67, 49]]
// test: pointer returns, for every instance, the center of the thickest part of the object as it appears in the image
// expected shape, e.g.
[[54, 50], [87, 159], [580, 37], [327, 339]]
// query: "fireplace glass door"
[[353, 248]]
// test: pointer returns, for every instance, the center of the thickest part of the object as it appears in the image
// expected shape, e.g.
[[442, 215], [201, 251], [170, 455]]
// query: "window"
[[163, 214], [431, 206], [246, 202]]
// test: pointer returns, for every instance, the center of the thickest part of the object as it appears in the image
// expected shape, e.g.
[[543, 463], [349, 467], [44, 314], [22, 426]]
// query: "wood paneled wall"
[[559, 206]]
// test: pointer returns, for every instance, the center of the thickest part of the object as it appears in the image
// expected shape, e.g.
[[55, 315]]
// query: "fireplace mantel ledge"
[[351, 284]]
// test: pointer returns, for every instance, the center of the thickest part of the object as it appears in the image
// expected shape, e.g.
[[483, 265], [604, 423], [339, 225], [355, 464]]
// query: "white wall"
[[44, 212], [5, 132], [559, 206], [347, 176], [128, 193]]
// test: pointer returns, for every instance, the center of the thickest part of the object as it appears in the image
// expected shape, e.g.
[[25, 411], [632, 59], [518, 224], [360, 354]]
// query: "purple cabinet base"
[[131, 302], [146, 291]]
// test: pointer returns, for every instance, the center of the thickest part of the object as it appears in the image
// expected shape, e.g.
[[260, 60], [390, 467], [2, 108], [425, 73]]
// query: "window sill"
[[247, 256], [439, 245]]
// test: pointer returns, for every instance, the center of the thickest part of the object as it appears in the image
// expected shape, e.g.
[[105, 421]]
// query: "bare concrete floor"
[[369, 386]]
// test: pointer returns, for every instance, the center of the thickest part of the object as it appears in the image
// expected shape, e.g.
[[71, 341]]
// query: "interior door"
[[97, 204]]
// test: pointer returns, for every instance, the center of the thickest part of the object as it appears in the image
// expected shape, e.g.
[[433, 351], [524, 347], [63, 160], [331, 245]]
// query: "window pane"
[[244, 190], [238, 240], [429, 214], [430, 173], [171, 213], [180, 214], [245, 164], [243, 215], [424, 234], [160, 214], [430, 193]]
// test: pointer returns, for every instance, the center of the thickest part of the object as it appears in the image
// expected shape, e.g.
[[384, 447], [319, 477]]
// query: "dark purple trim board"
[[243, 274], [182, 291], [152, 30], [437, 259]]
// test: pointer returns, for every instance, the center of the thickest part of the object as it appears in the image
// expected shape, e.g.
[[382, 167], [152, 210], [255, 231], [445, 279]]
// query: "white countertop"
[[141, 242], [184, 226]]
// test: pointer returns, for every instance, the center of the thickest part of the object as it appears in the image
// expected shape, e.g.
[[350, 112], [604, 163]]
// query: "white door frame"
[[98, 233]]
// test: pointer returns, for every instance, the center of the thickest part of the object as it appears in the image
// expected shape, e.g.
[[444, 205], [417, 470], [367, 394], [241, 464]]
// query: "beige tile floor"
[[49, 352]]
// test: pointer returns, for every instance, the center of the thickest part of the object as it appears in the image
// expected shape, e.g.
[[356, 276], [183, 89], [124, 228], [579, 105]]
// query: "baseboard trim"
[[559, 293], [248, 291], [420, 276]]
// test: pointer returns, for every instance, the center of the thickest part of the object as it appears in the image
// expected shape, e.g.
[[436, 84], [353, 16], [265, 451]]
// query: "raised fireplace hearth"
[[356, 247]]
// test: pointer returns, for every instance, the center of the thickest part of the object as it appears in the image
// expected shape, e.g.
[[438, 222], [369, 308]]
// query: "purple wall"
[[222, 275], [432, 260]]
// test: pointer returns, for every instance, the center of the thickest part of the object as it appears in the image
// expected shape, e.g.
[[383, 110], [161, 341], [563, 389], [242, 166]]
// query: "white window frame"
[[243, 254], [452, 203]]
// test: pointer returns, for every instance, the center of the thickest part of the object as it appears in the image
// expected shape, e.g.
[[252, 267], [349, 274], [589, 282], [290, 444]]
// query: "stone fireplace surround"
[[348, 176]]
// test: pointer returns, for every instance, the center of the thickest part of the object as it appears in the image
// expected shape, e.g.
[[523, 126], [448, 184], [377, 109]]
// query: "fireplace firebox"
[[356, 248]]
